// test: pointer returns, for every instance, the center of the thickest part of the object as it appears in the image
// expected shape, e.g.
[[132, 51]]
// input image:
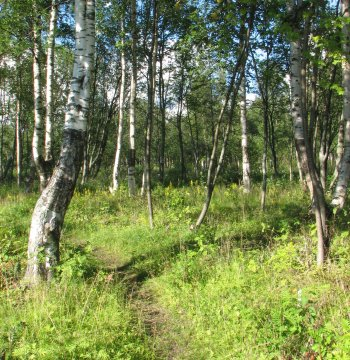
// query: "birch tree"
[[339, 194], [302, 143], [38, 134], [49, 80], [152, 62], [132, 105], [18, 142], [121, 113], [244, 141], [50, 209], [216, 159]]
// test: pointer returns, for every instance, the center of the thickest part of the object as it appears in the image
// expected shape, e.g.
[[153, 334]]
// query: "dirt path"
[[142, 301]]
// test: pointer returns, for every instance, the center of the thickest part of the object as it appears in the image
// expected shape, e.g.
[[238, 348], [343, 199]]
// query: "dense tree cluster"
[[172, 91]]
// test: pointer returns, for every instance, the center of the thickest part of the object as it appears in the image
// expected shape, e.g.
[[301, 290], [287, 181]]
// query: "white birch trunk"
[[152, 62], [121, 115], [304, 148], [18, 143], [49, 80], [339, 194], [50, 209], [133, 80], [245, 157], [38, 134]]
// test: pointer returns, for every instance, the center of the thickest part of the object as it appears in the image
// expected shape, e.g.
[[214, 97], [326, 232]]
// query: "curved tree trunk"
[[215, 163], [50, 209]]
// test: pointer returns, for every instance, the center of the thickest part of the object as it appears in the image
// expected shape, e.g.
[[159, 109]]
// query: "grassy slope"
[[243, 286]]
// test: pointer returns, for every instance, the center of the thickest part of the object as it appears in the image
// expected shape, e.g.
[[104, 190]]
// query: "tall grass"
[[244, 286]]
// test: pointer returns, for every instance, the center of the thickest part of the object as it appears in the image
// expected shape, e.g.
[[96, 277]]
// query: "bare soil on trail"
[[142, 301]]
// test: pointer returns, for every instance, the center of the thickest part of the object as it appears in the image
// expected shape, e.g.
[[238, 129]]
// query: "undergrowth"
[[243, 286]]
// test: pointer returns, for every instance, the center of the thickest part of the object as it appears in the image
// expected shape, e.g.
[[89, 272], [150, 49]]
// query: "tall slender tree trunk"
[[325, 142], [300, 171], [38, 135], [162, 110], [339, 194], [264, 162], [264, 91], [121, 114], [49, 80], [272, 142], [152, 61], [179, 127], [303, 146], [244, 141], [50, 209], [237, 74], [313, 107], [340, 152], [133, 80], [2, 135], [18, 143], [291, 162], [194, 142]]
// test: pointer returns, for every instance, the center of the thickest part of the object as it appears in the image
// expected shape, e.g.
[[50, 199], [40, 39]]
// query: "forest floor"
[[243, 286]]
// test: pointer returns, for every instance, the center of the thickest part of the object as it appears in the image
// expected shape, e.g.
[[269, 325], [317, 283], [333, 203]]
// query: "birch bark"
[[38, 134], [133, 81], [152, 62], [121, 114], [49, 80], [244, 141], [339, 194], [302, 144], [18, 143], [213, 171], [50, 209]]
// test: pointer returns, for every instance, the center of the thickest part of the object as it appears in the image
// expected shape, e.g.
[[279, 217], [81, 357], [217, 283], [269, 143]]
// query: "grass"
[[244, 286]]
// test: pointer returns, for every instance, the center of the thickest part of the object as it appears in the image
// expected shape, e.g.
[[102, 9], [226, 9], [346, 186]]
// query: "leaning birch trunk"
[[245, 157], [49, 79], [38, 134], [50, 209], [121, 115], [304, 147], [235, 82], [339, 194], [133, 80]]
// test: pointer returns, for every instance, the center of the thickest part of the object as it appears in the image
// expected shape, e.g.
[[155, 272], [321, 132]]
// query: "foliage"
[[242, 286]]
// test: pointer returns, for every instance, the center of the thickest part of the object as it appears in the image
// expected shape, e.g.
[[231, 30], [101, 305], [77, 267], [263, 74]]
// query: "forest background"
[[205, 222]]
